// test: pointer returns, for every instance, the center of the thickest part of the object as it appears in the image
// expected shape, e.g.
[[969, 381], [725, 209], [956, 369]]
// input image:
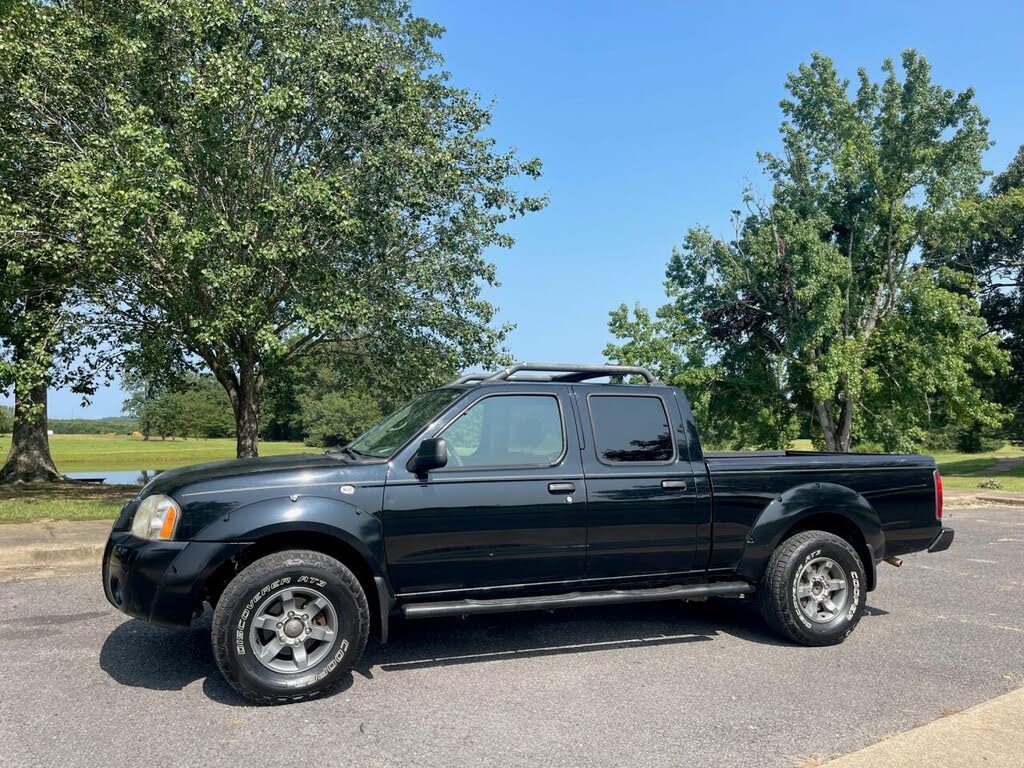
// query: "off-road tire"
[[259, 582], [777, 592]]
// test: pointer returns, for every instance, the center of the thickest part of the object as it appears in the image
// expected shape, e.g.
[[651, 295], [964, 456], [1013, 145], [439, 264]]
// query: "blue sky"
[[648, 117]]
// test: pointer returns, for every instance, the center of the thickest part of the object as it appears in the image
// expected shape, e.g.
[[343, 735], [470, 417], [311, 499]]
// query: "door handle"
[[561, 487], [673, 485]]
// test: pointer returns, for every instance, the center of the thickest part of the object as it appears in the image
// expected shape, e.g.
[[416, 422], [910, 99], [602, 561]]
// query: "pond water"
[[118, 477]]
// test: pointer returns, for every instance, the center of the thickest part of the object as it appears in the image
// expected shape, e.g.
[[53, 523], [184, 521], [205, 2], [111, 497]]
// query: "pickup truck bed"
[[899, 489]]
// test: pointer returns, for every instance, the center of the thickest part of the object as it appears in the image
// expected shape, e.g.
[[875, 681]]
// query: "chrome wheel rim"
[[821, 590], [294, 630]]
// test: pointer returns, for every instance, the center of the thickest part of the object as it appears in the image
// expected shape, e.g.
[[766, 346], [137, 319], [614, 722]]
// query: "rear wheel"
[[813, 590], [290, 627]]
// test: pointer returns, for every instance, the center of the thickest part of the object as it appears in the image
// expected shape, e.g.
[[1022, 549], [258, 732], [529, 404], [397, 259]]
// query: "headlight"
[[156, 518]]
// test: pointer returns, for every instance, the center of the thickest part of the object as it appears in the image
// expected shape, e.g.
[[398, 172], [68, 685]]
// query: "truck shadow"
[[453, 641], [137, 654]]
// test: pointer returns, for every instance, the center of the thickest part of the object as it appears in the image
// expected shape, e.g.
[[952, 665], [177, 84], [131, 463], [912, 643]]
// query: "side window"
[[630, 428], [507, 431]]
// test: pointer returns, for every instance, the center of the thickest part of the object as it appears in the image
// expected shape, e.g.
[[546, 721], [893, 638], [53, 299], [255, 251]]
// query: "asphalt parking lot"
[[650, 685]]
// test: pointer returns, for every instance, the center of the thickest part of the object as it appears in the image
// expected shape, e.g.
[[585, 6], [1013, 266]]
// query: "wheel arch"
[[828, 507], [337, 529]]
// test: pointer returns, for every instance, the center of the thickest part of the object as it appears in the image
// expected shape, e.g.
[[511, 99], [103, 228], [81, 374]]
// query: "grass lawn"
[[76, 453], [958, 468], [88, 453], [62, 501]]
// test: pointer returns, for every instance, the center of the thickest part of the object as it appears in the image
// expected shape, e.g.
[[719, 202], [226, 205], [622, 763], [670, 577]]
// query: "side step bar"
[[575, 599]]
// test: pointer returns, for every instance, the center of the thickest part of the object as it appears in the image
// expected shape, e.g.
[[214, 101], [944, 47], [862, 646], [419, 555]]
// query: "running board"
[[575, 599]]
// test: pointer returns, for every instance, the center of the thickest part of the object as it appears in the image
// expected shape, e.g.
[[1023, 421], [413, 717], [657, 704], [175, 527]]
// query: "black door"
[[508, 509], [640, 493]]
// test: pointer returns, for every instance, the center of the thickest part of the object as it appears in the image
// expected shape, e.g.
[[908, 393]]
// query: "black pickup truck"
[[507, 492]]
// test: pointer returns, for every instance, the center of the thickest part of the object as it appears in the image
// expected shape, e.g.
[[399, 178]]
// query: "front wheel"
[[813, 590], [290, 626]]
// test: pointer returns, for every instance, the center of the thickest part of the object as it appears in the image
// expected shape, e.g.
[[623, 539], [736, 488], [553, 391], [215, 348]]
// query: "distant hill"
[[118, 425]]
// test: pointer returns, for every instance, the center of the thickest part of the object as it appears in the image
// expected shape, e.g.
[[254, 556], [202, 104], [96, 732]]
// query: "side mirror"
[[432, 454]]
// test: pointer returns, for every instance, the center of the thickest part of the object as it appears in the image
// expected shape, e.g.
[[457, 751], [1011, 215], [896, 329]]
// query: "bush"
[[114, 425], [977, 440], [1015, 429]]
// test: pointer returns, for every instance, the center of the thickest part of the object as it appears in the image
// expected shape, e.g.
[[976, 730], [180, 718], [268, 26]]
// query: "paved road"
[[664, 684]]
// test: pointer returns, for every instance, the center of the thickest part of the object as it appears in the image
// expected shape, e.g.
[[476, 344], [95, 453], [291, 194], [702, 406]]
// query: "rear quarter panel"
[[898, 489]]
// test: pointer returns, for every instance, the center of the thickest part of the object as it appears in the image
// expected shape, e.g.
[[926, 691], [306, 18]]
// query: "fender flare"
[[802, 502], [346, 523]]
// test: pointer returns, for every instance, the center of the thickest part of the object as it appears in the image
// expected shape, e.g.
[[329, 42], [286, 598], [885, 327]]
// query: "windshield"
[[392, 433]]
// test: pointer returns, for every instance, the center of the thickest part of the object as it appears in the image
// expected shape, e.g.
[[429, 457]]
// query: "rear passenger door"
[[640, 489]]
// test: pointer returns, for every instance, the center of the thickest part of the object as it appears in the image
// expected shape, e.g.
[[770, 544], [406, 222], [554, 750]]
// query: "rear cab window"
[[631, 429]]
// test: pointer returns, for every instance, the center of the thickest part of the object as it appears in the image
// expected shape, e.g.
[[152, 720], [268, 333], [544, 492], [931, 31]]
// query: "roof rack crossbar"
[[573, 372]]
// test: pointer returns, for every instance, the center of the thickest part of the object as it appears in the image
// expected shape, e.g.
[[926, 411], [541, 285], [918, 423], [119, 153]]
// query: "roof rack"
[[468, 378], [566, 372]]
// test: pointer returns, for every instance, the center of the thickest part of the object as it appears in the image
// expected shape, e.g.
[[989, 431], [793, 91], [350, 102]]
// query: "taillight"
[[938, 495]]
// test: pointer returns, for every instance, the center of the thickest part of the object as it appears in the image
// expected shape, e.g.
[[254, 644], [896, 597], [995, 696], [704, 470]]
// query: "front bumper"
[[941, 542], [160, 581]]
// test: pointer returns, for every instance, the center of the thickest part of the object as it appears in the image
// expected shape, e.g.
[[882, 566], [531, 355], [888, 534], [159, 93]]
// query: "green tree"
[[336, 386], [819, 308], [6, 419], [42, 87], [203, 410], [286, 175], [192, 406], [57, 65], [336, 418], [151, 405], [984, 237]]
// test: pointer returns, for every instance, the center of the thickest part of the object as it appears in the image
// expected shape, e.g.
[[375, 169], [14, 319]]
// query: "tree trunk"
[[846, 430], [836, 440], [29, 458], [246, 403]]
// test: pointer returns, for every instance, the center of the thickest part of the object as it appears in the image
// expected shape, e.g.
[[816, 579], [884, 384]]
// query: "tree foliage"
[[53, 67], [984, 237], [280, 176], [819, 308], [195, 407], [334, 394]]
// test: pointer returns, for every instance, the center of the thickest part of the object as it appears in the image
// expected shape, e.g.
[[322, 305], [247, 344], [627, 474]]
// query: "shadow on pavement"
[[140, 655]]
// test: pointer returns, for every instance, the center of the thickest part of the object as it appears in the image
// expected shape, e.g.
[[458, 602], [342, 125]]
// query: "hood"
[[292, 465]]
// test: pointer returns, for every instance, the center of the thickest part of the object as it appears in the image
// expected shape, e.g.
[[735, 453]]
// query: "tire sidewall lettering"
[[247, 611], [855, 602], [796, 583]]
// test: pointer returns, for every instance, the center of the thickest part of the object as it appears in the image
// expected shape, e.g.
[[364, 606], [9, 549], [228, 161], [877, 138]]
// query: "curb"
[[82, 554], [983, 499], [1008, 501], [990, 733]]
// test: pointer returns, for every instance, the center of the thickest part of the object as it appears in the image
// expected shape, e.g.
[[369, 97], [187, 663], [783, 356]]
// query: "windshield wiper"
[[355, 454]]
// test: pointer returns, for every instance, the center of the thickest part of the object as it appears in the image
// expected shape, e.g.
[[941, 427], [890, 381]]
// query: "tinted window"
[[630, 428], [506, 431]]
